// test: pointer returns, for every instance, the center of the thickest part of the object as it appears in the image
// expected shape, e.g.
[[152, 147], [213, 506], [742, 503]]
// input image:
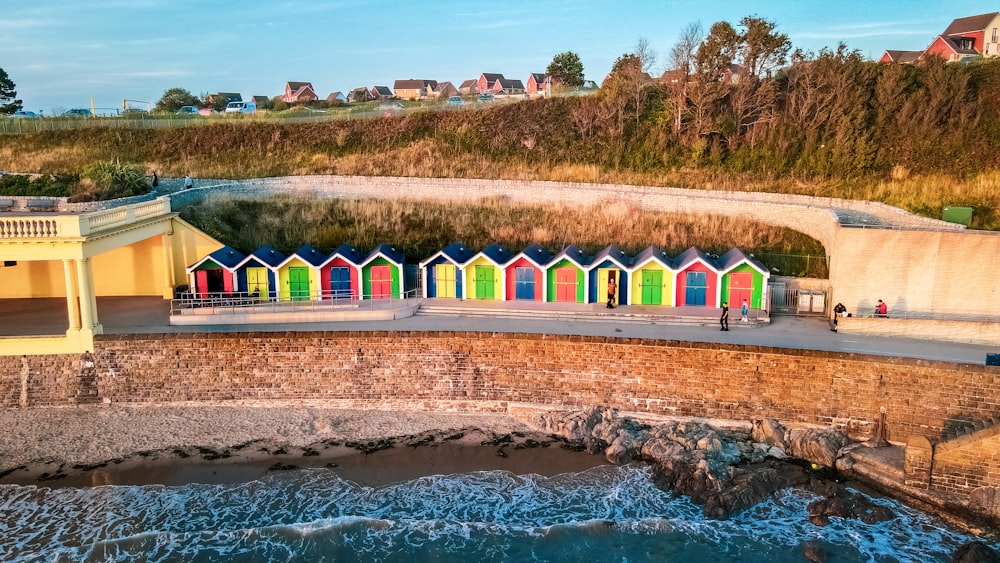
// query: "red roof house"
[[537, 83], [298, 92]]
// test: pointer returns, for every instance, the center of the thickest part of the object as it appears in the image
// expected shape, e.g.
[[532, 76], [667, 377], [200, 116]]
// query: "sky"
[[60, 53]]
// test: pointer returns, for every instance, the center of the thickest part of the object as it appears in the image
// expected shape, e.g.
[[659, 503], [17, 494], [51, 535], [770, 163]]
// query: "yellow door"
[[444, 278], [257, 282]]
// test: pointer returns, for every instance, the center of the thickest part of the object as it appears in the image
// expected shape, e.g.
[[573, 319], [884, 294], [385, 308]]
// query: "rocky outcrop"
[[721, 468], [843, 503], [975, 552]]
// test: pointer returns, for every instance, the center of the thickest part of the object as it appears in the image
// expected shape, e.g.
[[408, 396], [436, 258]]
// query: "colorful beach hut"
[[566, 276], [652, 274], [742, 278], [382, 273], [524, 275], [215, 273], [340, 273], [298, 274], [442, 272], [609, 264], [697, 279], [483, 274], [257, 273]]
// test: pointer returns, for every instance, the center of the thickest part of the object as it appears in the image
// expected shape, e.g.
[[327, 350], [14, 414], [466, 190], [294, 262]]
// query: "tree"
[[566, 70], [8, 102], [176, 98]]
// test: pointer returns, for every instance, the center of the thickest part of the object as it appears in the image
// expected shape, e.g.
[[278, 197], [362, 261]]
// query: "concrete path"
[[150, 315]]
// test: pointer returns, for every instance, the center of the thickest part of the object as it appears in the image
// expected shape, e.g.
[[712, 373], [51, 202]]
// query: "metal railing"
[[219, 303]]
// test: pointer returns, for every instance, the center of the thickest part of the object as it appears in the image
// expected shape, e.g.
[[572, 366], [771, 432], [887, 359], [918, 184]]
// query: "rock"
[[845, 504], [986, 500], [975, 552], [813, 552], [750, 487], [819, 446], [769, 431], [776, 452]]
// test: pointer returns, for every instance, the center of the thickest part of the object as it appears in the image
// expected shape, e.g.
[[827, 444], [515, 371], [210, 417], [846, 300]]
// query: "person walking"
[[612, 290], [188, 183], [156, 181], [744, 312], [724, 319]]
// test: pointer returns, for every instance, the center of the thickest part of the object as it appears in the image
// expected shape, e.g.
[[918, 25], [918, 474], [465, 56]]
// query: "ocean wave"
[[314, 515]]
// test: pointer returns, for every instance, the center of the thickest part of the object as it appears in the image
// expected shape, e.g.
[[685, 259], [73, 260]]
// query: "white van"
[[241, 107]]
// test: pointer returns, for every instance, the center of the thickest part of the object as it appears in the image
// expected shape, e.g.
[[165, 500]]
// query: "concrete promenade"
[[150, 315]]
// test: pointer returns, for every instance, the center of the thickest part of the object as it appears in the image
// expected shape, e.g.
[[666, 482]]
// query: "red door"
[[566, 285], [740, 288], [381, 282]]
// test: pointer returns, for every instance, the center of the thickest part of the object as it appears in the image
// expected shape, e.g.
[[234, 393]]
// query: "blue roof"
[[497, 253], [537, 255], [227, 257], [653, 253], [268, 255], [615, 254], [348, 253], [457, 252], [386, 251], [690, 256], [734, 257], [310, 255], [575, 255]]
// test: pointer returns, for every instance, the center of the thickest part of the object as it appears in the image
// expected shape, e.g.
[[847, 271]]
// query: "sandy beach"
[[226, 443]]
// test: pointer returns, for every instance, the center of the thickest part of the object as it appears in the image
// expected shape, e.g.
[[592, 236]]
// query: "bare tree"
[[683, 61]]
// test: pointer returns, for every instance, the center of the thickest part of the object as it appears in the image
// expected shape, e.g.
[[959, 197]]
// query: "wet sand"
[[175, 445]]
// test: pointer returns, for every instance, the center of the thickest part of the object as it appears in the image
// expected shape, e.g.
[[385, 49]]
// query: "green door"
[[652, 287], [298, 283], [484, 282]]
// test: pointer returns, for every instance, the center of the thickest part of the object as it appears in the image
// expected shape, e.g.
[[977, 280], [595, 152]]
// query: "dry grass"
[[421, 228]]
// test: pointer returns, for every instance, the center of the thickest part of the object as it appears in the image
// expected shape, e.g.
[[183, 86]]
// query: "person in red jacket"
[[880, 309]]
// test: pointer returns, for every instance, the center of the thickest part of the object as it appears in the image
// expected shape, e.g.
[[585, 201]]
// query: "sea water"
[[606, 513]]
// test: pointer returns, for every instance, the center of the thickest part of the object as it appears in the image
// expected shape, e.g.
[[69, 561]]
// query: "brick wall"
[[666, 377], [968, 463]]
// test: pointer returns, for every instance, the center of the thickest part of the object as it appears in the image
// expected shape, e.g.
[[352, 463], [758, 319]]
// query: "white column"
[[169, 279], [88, 300], [72, 305]]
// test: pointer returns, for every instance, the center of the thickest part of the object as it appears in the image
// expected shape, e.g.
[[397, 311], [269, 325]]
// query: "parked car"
[[77, 112], [455, 101], [22, 114], [206, 111], [241, 107], [485, 97], [188, 110]]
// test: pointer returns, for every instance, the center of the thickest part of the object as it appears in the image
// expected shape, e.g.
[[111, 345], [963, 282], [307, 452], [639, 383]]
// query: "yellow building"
[[134, 250]]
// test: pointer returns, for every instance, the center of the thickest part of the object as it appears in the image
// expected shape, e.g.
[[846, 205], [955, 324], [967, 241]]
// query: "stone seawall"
[[663, 377]]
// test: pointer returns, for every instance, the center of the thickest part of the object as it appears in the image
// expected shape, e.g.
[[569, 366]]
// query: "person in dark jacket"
[[724, 319]]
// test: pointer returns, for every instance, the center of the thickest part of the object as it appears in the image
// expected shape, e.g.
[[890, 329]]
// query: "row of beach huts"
[[692, 278]]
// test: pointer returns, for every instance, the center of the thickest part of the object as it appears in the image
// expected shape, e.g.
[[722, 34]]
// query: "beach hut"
[[609, 264], [524, 275], [652, 278], [340, 273], [742, 278], [298, 275], [566, 276], [215, 273], [257, 274], [442, 272], [382, 273], [483, 274], [697, 279]]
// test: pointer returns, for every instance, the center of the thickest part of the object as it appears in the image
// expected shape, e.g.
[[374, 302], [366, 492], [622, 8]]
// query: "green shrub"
[[50, 185], [111, 180]]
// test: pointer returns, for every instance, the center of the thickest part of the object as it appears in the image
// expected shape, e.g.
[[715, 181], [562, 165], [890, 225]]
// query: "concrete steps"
[[970, 429], [611, 316]]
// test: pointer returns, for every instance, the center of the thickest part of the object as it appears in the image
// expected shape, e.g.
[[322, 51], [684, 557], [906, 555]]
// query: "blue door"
[[340, 282], [696, 288], [524, 280]]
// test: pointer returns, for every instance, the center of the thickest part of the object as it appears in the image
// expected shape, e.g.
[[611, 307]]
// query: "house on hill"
[[224, 98], [380, 93], [413, 88], [537, 84], [337, 97], [470, 86], [362, 94], [299, 92], [488, 82], [261, 101], [964, 38], [445, 90], [901, 57]]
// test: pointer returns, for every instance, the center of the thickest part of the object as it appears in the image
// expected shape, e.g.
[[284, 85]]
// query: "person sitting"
[[881, 310], [838, 311]]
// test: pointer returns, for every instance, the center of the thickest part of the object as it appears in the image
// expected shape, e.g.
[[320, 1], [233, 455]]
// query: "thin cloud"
[[509, 23]]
